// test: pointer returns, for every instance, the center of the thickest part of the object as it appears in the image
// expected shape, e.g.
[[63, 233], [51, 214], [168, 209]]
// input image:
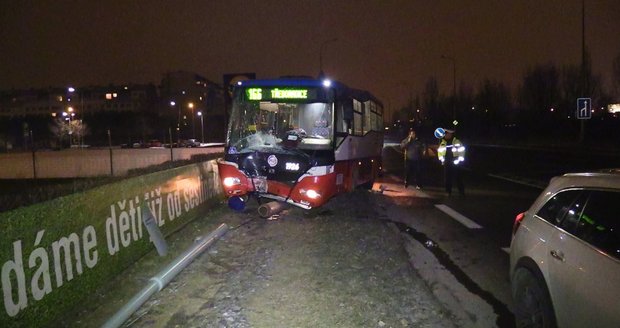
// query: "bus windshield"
[[258, 124]]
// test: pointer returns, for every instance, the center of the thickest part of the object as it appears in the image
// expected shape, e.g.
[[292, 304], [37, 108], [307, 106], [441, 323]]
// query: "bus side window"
[[347, 115]]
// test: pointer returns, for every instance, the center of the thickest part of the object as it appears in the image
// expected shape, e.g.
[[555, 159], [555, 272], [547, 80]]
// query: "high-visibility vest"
[[457, 149]]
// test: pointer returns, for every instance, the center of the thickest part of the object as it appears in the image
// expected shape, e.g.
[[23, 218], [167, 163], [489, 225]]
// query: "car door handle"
[[558, 255]]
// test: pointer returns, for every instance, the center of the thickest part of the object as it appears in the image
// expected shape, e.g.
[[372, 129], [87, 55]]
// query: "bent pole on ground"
[[159, 281]]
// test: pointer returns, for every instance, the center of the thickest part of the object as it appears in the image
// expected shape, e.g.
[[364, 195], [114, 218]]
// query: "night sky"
[[388, 47]]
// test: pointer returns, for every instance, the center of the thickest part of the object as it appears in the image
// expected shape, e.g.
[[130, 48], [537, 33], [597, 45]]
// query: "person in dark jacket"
[[414, 151]]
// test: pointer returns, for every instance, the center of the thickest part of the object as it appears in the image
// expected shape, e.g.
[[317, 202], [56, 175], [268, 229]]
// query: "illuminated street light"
[[191, 107], [202, 127], [73, 90], [173, 104], [68, 116]]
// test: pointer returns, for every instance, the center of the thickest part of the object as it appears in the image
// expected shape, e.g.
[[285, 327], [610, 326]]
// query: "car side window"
[[574, 213], [558, 206], [599, 224]]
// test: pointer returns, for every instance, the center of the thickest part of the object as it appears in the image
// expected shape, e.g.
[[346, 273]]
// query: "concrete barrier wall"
[[53, 255], [82, 163]]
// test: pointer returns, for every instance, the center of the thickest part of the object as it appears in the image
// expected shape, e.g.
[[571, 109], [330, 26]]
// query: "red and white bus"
[[300, 141]]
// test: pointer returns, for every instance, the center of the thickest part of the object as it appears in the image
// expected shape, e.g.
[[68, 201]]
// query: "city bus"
[[300, 141]]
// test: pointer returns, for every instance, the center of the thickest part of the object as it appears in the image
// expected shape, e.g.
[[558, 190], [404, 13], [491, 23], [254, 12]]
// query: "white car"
[[565, 254]]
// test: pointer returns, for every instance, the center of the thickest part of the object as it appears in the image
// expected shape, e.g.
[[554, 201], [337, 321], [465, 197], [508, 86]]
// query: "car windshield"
[[280, 125]]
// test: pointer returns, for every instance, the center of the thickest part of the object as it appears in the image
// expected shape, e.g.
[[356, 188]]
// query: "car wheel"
[[532, 303]]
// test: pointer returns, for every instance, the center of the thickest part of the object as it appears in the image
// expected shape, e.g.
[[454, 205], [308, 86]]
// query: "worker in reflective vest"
[[451, 153]]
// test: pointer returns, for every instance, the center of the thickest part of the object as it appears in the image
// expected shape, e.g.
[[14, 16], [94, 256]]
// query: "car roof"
[[608, 178]]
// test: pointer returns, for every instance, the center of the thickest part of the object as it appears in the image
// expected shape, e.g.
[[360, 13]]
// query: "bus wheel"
[[354, 178]]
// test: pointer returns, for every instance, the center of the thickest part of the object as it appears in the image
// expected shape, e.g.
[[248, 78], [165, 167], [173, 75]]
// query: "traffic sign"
[[439, 133], [584, 108]]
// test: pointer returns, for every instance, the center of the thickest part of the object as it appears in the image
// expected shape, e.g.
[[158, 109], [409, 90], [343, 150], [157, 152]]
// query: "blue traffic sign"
[[439, 133], [584, 108]]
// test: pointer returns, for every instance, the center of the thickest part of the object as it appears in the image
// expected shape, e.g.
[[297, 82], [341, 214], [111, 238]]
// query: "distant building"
[[81, 101], [132, 112], [183, 95], [41, 102]]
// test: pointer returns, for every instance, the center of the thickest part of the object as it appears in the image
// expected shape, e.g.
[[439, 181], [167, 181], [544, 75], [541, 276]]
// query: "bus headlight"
[[231, 181], [310, 193]]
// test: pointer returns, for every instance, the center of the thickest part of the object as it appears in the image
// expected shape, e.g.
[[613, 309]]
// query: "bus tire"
[[354, 178]]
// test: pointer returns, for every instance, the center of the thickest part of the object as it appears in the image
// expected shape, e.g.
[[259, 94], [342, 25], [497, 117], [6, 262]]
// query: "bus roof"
[[292, 81], [360, 95]]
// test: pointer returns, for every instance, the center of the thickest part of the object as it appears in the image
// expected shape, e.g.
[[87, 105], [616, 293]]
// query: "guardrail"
[[82, 163]]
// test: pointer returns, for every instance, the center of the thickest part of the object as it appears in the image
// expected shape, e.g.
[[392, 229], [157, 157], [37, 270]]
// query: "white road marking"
[[458, 216], [525, 183], [506, 249]]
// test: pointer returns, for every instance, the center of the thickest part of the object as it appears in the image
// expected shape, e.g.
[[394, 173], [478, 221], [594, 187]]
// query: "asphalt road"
[[468, 235], [457, 247]]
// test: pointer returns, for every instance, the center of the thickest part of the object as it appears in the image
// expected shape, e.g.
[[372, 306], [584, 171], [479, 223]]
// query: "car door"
[[583, 262]]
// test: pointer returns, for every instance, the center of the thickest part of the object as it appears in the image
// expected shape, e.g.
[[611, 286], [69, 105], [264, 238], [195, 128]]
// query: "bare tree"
[[431, 101], [616, 77], [78, 129], [493, 106], [75, 130]]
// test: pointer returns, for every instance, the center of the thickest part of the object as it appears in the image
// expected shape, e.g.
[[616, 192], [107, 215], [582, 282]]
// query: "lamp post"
[[453, 84], [72, 91], [191, 107], [68, 115], [173, 104], [321, 74], [584, 79], [202, 127]]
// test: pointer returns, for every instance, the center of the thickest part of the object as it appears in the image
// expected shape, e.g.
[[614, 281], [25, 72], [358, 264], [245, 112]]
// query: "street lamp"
[[68, 115], [72, 91], [202, 127], [453, 84], [191, 107], [173, 104]]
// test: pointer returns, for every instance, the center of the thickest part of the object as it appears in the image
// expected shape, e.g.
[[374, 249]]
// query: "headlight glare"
[[231, 181]]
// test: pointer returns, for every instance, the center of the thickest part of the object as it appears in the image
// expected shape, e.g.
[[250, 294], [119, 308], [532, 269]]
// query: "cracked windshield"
[[280, 125]]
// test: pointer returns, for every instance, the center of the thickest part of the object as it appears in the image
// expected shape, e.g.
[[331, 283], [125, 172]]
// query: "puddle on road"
[[505, 318]]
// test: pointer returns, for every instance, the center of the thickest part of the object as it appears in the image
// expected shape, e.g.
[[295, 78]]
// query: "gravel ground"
[[341, 266]]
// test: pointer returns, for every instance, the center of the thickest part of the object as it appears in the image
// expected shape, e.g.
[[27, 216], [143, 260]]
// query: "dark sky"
[[388, 47]]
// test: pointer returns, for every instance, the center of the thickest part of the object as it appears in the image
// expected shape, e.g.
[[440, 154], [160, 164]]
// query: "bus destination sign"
[[279, 94]]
